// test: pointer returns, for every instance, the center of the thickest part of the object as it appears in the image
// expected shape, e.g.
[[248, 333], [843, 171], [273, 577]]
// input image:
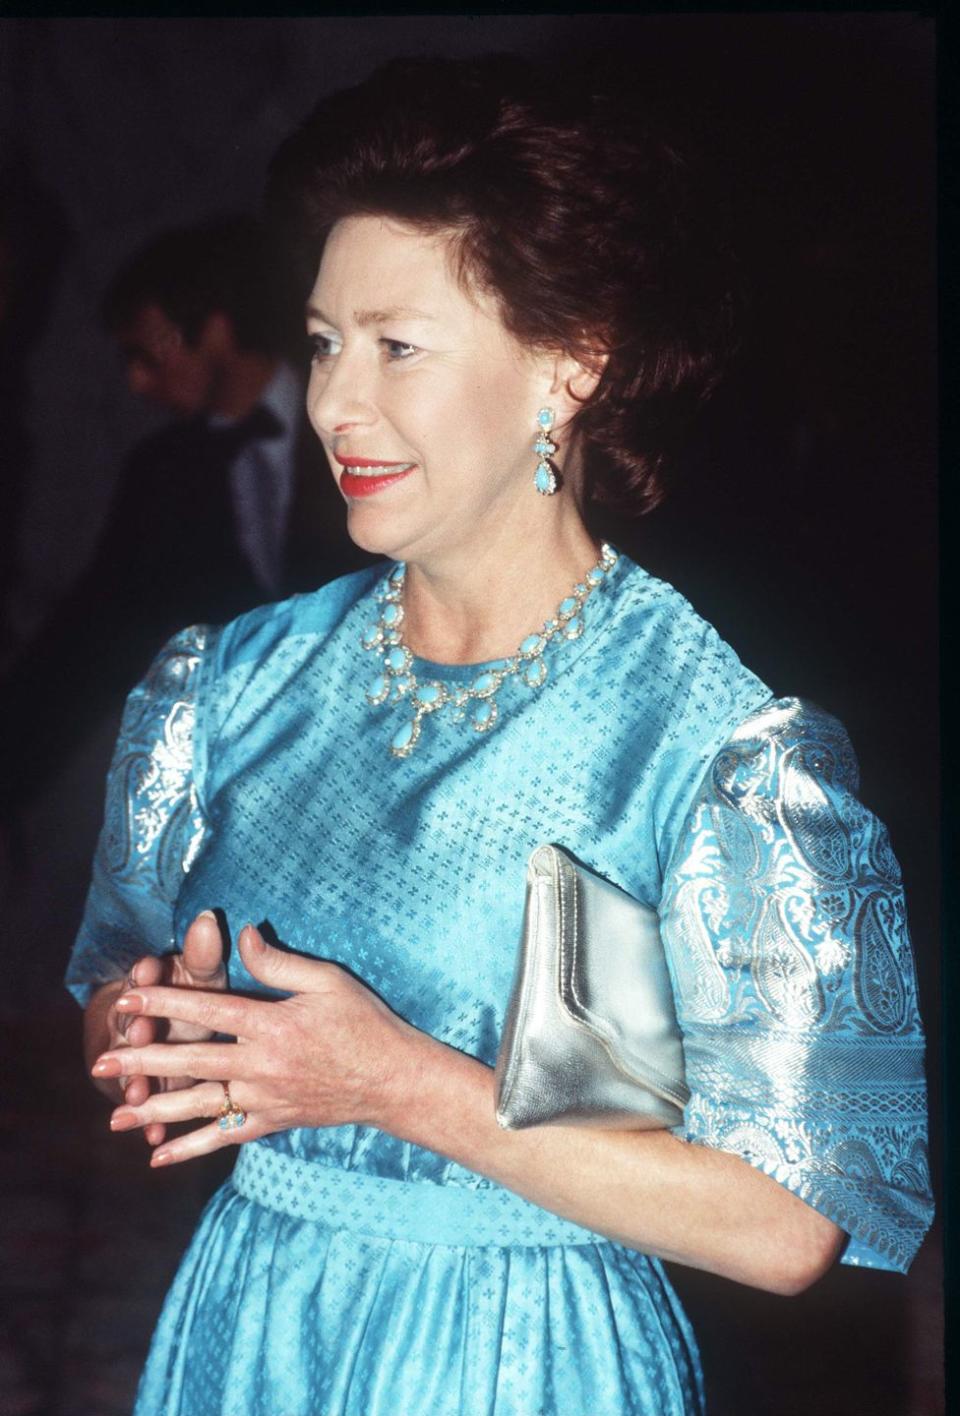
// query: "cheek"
[[497, 422], [480, 421], [313, 393]]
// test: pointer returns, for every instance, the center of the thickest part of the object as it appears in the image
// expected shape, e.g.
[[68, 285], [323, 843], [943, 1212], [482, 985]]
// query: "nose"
[[340, 395]]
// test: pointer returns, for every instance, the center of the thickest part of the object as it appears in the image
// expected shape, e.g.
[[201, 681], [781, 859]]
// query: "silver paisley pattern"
[[784, 920], [153, 825]]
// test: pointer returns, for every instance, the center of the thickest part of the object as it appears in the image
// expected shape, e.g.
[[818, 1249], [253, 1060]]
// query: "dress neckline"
[[597, 610]]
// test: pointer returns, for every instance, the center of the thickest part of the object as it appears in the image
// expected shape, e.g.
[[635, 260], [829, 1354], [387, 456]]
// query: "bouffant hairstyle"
[[562, 202], [223, 266]]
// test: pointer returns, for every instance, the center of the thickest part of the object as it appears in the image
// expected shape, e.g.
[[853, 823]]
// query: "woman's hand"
[[199, 966], [333, 1053], [330, 1055]]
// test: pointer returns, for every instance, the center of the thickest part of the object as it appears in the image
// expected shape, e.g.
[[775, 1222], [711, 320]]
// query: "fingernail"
[[122, 1121], [131, 1003], [107, 1067], [252, 935], [207, 914], [160, 1158]]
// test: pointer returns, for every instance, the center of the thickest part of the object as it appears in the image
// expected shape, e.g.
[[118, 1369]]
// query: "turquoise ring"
[[231, 1116]]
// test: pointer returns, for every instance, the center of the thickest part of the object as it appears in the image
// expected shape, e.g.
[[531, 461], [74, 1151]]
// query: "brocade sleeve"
[[784, 923], [152, 826]]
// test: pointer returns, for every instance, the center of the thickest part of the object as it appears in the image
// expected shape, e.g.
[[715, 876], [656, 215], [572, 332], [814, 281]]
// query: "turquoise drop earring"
[[544, 479]]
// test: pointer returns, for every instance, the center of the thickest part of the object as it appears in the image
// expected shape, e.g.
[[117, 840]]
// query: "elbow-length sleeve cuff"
[[153, 821], [784, 923]]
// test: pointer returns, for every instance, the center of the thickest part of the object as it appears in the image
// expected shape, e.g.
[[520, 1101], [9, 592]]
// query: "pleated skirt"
[[310, 1291]]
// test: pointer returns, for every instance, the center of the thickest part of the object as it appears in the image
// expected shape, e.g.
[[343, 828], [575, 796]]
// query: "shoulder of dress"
[[648, 606], [677, 666], [786, 739], [168, 691], [175, 667], [787, 722], [254, 635]]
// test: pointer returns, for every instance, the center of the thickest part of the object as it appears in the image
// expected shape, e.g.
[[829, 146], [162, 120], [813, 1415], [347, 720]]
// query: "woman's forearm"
[[648, 1190], [332, 1053]]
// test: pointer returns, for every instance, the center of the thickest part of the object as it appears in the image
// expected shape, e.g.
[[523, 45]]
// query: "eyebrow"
[[372, 317]]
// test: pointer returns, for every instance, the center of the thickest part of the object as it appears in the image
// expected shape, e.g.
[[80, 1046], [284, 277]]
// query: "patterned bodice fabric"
[[253, 776]]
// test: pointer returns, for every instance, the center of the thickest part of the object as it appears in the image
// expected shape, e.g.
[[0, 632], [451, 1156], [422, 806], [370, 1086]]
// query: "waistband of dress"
[[419, 1212]]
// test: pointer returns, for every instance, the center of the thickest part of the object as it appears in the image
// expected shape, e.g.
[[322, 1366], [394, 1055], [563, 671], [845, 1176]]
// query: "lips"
[[364, 477]]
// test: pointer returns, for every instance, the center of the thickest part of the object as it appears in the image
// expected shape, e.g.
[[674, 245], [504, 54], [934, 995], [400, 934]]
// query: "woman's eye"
[[323, 346], [398, 349]]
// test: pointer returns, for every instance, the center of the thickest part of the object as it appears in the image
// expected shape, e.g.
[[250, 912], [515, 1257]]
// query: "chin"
[[373, 532]]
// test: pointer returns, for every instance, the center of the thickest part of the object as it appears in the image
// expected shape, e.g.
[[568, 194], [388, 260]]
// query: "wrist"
[[438, 1097], [403, 1067]]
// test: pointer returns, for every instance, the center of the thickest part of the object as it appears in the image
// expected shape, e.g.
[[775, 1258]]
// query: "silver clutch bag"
[[591, 1035]]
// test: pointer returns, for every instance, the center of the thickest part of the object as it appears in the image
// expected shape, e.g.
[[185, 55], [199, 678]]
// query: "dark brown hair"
[[565, 204]]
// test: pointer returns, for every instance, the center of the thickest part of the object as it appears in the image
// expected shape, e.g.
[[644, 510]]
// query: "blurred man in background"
[[227, 507]]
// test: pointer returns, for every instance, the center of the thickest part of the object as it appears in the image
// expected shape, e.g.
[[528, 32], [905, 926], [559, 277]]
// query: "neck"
[[463, 610], [240, 383]]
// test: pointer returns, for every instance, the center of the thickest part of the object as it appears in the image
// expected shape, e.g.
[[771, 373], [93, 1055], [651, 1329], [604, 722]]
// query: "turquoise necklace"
[[474, 703]]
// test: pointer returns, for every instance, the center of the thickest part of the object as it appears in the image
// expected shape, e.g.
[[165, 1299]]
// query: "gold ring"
[[230, 1117]]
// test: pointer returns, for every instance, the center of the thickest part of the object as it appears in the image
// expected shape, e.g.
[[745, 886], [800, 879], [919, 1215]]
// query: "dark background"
[[801, 523]]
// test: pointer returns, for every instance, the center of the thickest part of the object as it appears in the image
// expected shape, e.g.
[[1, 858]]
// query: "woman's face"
[[425, 404]]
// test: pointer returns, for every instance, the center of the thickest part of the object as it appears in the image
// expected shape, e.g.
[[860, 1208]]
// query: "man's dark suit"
[[168, 557]]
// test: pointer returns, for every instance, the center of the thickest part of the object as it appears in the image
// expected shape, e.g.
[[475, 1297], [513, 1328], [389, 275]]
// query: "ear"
[[573, 381]]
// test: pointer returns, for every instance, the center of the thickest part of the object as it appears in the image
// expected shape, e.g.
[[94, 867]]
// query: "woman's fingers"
[[201, 1142], [138, 1030], [205, 1099], [293, 973], [136, 1090], [203, 951], [146, 971], [132, 1030], [216, 1012], [204, 1060]]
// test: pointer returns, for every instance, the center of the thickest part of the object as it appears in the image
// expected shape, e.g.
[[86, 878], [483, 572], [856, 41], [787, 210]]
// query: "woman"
[[511, 301]]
